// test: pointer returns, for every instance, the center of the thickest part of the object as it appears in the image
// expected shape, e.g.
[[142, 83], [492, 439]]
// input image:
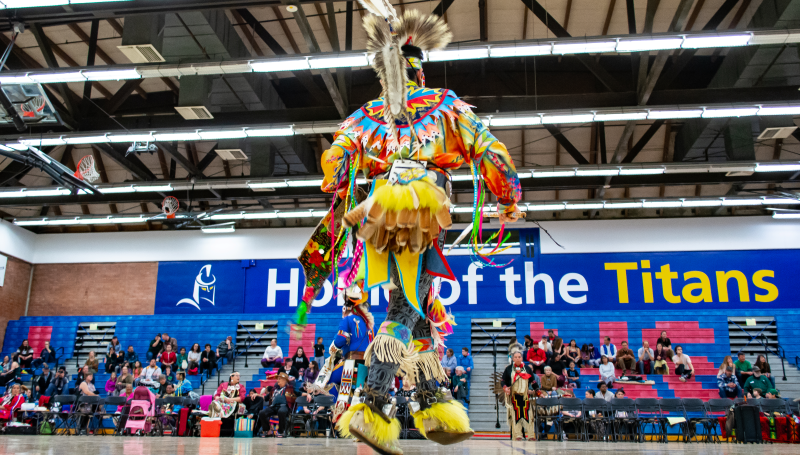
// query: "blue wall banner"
[[553, 282]]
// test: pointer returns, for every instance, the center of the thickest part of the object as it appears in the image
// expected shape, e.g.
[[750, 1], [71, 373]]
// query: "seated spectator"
[[169, 341], [319, 352], [194, 358], [603, 392], [461, 386], [83, 373], [88, 389], [549, 380], [625, 359], [726, 362], [128, 391], [590, 356], [273, 355], [311, 372], [167, 371], [111, 384], [114, 344], [449, 362], [137, 369], [573, 376], [155, 348], [58, 386], [6, 364], [48, 355], [168, 357], [607, 372], [278, 405], [772, 394], [208, 360], [290, 370], [10, 403], [183, 386], [743, 369], [528, 343], [182, 361], [44, 380], [666, 344], [24, 355], [728, 385], [125, 379], [112, 360], [170, 392], [300, 359], [253, 405], [159, 389], [763, 365], [661, 355], [683, 364], [92, 362], [227, 349], [131, 356], [756, 380], [149, 376], [609, 350], [558, 357], [537, 358], [546, 346], [465, 360], [646, 359], [573, 353], [756, 394]]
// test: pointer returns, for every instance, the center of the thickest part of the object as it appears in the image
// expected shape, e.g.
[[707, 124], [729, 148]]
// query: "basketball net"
[[86, 170], [169, 206]]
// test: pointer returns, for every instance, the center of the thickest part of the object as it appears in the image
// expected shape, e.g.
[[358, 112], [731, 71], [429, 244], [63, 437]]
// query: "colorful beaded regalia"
[[405, 143]]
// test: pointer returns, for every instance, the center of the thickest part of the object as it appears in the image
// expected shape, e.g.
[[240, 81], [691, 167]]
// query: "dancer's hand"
[[506, 389], [509, 217]]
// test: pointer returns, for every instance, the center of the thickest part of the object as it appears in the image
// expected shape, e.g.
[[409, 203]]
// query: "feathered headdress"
[[398, 43]]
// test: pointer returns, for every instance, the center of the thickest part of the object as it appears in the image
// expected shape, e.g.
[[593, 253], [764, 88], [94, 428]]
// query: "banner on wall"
[[555, 282]]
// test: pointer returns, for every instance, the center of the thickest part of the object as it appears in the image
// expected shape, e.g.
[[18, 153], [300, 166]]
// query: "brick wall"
[[14, 292], [93, 289]]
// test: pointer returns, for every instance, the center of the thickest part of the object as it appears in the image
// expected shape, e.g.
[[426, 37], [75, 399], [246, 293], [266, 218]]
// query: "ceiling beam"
[[642, 142], [483, 20], [442, 7], [47, 48], [207, 160], [559, 136], [173, 151], [122, 95], [130, 163]]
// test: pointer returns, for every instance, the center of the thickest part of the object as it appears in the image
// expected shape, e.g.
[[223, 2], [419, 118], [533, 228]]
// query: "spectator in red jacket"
[[168, 357], [537, 358]]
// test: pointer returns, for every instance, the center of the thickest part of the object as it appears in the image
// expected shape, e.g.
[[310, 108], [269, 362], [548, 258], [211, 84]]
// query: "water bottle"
[[328, 432]]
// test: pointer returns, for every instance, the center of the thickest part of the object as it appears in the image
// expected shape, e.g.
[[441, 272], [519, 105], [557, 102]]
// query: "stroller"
[[142, 411]]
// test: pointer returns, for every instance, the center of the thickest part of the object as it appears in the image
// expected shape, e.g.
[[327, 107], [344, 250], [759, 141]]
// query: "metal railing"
[[493, 341], [767, 350], [80, 342], [257, 341]]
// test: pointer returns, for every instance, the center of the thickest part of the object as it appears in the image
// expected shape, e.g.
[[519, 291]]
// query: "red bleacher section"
[[537, 330], [37, 335], [616, 330], [679, 332], [306, 342]]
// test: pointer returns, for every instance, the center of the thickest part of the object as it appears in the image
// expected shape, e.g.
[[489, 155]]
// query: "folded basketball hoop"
[[86, 170], [169, 206]]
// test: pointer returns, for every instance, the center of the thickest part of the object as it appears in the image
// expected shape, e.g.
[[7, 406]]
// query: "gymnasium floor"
[[108, 445]]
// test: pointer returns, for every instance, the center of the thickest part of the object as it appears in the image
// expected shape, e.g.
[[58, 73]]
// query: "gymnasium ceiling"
[[203, 30]]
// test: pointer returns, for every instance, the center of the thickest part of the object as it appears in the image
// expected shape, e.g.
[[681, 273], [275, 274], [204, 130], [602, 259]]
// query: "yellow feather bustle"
[[450, 415], [381, 432]]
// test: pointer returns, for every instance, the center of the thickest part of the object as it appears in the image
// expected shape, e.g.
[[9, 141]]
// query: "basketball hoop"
[[86, 170], [169, 206]]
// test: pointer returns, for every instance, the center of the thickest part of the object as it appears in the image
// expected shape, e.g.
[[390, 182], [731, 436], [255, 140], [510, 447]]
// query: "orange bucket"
[[210, 428]]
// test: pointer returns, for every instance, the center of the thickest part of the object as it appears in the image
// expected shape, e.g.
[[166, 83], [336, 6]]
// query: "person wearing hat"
[[278, 406], [756, 380], [58, 385], [356, 327], [773, 393], [44, 380], [728, 385]]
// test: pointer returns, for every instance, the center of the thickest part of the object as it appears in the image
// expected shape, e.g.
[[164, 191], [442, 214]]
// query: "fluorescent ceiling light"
[[268, 185], [280, 65], [458, 54], [7, 194], [779, 110], [45, 78], [63, 222], [542, 174], [130, 137], [515, 121], [127, 220], [520, 51], [661, 204], [781, 201], [112, 75], [654, 44], [622, 205], [641, 171], [586, 47], [106, 220], [15, 80], [295, 183], [596, 172], [461, 178], [348, 61], [785, 215], [260, 215], [30, 222], [218, 230], [169, 137], [577, 118], [319, 212], [730, 112], [227, 216], [18, 147], [234, 134], [620, 116], [729, 202], [698, 42], [702, 203], [43, 142], [461, 209], [117, 190], [680, 113], [303, 214], [270, 132], [777, 167], [585, 206], [86, 140], [152, 188], [544, 207], [44, 193]]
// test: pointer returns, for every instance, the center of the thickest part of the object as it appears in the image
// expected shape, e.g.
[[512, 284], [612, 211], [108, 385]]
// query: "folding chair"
[[59, 417], [569, 404], [116, 414], [624, 417], [696, 414], [770, 405], [596, 413], [648, 412], [298, 418], [403, 415], [545, 412], [325, 402], [716, 407], [93, 403], [673, 407], [168, 420]]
